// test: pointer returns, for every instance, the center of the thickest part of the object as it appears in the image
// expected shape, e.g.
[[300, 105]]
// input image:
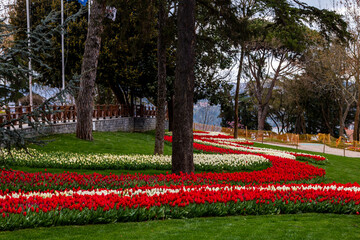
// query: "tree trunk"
[[303, 124], [161, 98], [84, 101], [119, 94], [262, 113], [357, 115], [132, 104], [182, 154], [325, 117], [171, 113], [356, 122], [343, 117], [237, 94]]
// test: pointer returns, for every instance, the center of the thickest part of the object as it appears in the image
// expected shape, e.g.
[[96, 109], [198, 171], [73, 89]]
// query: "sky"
[[321, 3]]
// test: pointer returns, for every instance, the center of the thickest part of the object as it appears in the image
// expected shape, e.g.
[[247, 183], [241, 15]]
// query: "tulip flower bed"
[[282, 171], [66, 160], [215, 137], [230, 144], [221, 148], [285, 186], [221, 140], [29, 209]]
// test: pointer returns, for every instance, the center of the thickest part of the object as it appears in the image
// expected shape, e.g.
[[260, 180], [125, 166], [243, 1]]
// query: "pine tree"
[[14, 74]]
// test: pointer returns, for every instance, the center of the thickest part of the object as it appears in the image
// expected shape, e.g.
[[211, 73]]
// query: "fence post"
[[245, 132], [262, 136], [344, 147], [324, 144]]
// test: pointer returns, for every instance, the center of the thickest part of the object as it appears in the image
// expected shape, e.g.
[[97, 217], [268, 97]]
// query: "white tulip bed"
[[206, 162]]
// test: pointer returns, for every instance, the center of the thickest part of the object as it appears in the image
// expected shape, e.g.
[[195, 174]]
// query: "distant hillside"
[[206, 114]]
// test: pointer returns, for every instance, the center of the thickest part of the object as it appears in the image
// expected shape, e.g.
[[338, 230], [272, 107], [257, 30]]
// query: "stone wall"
[[124, 124]]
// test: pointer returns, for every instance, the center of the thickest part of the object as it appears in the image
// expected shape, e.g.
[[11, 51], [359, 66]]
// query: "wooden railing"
[[67, 113]]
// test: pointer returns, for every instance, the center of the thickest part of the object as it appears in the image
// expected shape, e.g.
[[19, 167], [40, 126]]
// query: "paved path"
[[316, 147]]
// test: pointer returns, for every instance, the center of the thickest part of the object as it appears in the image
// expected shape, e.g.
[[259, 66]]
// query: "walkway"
[[316, 147]]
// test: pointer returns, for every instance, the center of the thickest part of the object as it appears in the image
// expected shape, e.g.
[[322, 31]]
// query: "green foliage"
[[127, 63], [12, 137], [75, 35], [14, 69], [14, 73]]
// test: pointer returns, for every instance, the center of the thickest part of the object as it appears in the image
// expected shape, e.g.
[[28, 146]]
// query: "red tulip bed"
[[288, 186]]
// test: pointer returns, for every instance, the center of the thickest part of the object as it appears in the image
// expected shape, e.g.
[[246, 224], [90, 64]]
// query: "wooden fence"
[[67, 113], [285, 138]]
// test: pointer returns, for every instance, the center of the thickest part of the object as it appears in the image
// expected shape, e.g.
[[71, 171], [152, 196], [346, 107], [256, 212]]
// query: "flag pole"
[[29, 45]]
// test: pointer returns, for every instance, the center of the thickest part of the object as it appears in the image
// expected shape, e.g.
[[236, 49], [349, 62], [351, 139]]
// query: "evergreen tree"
[[14, 73]]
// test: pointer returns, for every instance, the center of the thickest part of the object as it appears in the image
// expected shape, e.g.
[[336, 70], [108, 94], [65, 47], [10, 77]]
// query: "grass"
[[104, 142], [299, 226]]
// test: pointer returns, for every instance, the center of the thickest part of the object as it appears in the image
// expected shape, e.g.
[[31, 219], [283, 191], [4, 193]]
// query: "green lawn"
[[104, 142], [299, 226]]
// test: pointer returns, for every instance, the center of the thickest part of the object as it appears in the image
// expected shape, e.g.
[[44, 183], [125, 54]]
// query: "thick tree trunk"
[[236, 121], [262, 114], [171, 113], [182, 154], [84, 101], [161, 98]]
